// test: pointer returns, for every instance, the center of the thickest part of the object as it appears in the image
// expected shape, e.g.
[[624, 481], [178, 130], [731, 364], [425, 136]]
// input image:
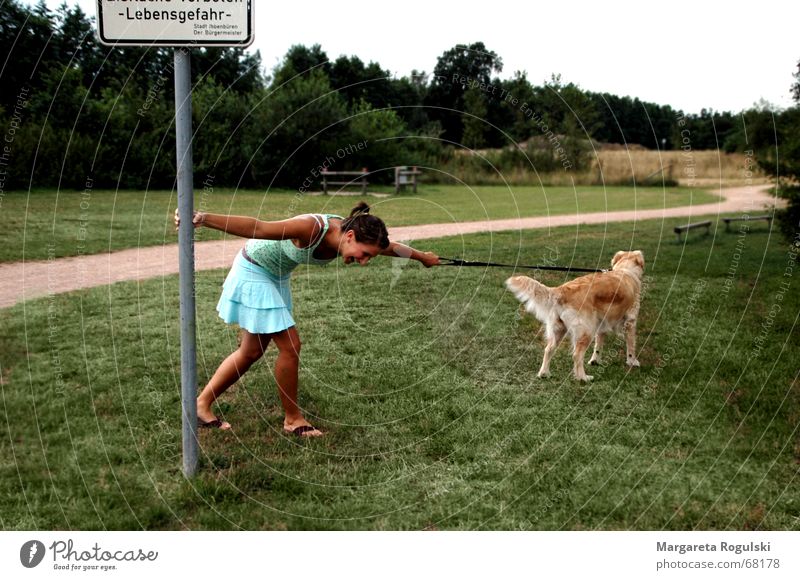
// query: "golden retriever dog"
[[587, 307]]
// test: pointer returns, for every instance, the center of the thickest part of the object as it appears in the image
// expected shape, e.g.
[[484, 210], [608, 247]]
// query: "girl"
[[256, 294]]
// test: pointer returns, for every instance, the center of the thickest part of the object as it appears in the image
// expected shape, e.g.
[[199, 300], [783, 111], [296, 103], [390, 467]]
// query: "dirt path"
[[21, 281]]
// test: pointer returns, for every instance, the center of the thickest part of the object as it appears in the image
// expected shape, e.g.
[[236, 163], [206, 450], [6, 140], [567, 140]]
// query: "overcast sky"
[[688, 54]]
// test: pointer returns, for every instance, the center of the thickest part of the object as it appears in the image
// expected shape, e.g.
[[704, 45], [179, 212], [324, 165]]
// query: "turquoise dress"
[[257, 294]]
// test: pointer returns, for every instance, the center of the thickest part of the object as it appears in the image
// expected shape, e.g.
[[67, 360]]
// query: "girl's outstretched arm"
[[399, 250], [300, 228]]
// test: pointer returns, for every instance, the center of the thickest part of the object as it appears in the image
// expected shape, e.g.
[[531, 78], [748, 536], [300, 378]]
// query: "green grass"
[[425, 381], [46, 224]]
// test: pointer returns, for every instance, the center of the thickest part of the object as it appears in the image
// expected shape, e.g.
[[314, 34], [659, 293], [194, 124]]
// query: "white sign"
[[176, 22]]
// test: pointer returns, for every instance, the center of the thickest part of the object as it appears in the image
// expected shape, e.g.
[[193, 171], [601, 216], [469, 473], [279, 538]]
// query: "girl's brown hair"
[[368, 229]]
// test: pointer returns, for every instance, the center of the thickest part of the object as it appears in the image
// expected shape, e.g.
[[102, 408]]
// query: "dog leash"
[[457, 262]]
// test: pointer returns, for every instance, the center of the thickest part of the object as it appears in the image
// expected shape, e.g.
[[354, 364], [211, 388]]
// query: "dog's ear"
[[616, 258], [516, 283], [519, 286], [639, 258]]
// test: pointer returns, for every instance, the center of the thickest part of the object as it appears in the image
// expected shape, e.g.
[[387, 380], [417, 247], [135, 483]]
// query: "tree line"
[[74, 110]]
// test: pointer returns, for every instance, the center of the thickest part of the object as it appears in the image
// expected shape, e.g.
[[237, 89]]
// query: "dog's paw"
[[633, 363], [594, 361], [543, 375], [585, 378]]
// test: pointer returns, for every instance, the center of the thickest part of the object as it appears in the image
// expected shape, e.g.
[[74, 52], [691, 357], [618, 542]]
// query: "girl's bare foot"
[[205, 418], [301, 428]]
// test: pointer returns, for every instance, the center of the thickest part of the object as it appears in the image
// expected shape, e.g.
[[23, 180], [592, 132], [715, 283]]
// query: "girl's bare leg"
[[230, 371], [286, 372]]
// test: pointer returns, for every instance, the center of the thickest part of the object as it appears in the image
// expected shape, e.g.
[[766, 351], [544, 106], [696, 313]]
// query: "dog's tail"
[[538, 299]]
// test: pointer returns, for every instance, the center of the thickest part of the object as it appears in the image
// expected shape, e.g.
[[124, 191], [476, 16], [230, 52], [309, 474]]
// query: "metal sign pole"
[[187, 25], [183, 142]]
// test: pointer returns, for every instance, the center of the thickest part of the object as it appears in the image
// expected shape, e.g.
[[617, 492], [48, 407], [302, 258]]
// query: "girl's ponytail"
[[368, 229]]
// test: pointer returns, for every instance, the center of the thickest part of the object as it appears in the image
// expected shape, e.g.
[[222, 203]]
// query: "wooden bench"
[[746, 218], [681, 229], [359, 178], [404, 176]]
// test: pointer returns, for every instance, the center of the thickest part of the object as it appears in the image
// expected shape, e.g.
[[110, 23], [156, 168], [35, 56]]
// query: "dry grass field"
[[647, 167], [692, 168], [609, 165]]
